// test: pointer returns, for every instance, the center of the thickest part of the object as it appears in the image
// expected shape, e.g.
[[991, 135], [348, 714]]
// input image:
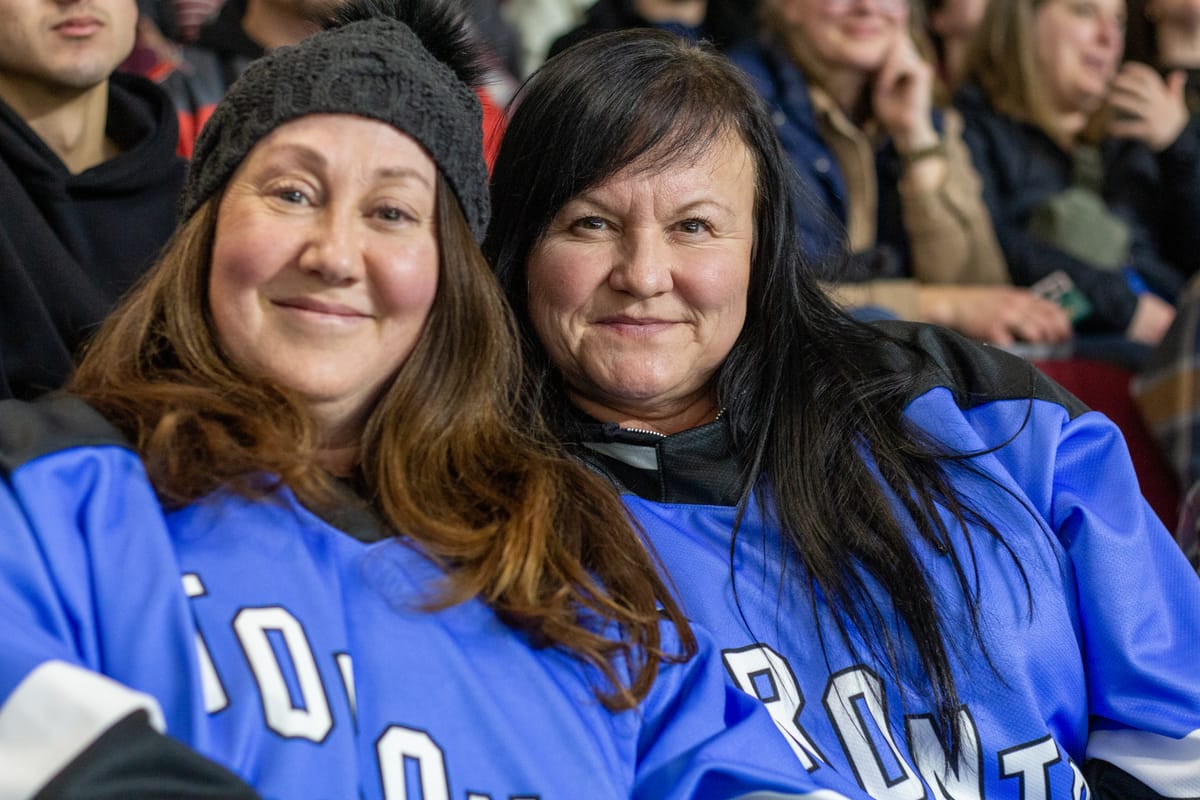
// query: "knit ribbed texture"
[[374, 68]]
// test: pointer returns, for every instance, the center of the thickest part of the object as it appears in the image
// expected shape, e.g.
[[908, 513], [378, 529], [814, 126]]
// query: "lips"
[[634, 326], [320, 308], [78, 27], [1099, 64]]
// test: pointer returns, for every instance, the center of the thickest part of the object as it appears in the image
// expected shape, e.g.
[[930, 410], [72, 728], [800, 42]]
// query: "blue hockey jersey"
[[278, 652], [1097, 665]]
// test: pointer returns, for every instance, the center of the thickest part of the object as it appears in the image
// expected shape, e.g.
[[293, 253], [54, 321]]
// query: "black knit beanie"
[[374, 67]]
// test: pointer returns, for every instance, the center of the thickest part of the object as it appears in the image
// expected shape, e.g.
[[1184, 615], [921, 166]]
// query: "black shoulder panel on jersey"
[[1109, 782], [57, 421], [976, 373], [132, 761]]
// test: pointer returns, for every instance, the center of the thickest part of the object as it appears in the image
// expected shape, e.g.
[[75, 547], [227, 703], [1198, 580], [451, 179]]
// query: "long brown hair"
[[451, 460], [1003, 63]]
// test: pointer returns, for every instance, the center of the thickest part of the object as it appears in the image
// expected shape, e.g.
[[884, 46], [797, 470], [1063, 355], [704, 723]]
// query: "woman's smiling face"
[[638, 287], [325, 262]]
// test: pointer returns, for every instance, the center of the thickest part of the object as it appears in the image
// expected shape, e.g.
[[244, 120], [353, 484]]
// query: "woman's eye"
[[293, 196], [693, 226], [589, 224], [391, 214]]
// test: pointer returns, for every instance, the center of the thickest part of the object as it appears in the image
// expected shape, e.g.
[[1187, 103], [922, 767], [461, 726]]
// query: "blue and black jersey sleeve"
[[83, 567]]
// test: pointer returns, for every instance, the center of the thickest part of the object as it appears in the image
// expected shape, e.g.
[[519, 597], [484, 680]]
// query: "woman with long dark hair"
[[930, 563]]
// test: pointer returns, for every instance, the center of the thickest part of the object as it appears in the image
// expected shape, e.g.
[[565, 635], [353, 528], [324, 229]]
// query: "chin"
[[1089, 103]]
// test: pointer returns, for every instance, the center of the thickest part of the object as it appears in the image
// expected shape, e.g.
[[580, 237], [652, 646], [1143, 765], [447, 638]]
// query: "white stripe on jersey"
[[53, 715], [1170, 767]]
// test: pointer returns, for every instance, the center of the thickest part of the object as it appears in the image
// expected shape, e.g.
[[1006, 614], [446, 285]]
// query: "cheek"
[[557, 285], [1045, 47], [240, 267], [125, 40], [240, 263], [720, 293], [408, 283], [552, 300]]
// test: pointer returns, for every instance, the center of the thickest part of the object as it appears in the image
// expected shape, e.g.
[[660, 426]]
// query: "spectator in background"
[[177, 20], [722, 22], [1167, 36], [853, 101], [88, 180], [1107, 198], [242, 31], [952, 25], [537, 23]]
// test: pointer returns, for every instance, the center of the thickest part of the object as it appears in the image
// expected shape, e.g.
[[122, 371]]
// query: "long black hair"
[[814, 399]]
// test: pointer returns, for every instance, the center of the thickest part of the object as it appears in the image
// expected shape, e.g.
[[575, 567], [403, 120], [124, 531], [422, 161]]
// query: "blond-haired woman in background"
[[1086, 166], [854, 102]]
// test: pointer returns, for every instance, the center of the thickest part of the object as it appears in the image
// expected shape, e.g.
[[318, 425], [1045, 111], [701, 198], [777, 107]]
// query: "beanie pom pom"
[[441, 26]]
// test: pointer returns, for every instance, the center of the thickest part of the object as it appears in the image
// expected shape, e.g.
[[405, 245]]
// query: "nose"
[[1112, 30], [643, 267], [334, 250]]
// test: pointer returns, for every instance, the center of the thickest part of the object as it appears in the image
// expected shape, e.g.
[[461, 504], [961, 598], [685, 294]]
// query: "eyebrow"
[[703, 203], [403, 173], [314, 160], [687, 208]]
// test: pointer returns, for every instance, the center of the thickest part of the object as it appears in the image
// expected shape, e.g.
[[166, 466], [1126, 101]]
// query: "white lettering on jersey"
[[312, 719], [856, 706], [1030, 764], [961, 781], [215, 697], [398, 744], [761, 672]]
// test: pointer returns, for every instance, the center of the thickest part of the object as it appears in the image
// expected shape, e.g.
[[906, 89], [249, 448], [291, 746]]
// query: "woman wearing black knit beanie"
[[288, 535]]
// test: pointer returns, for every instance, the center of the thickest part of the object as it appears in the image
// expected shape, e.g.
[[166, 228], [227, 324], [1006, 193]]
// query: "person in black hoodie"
[[88, 176]]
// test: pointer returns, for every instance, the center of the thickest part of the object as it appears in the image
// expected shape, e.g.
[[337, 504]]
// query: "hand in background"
[[1151, 318], [996, 314], [1146, 107], [902, 96]]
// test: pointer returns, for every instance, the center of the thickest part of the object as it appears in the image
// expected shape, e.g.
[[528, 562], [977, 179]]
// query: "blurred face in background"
[[1184, 13], [846, 34], [1077, 49], [957, 19]]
